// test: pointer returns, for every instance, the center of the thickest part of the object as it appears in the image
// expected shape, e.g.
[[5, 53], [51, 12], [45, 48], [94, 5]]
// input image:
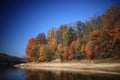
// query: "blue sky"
[[22, 19]]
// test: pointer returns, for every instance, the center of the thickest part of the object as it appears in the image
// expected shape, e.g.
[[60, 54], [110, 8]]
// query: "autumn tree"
[[51, 34], [32, 49], [45, 54], [93, 24], [48, 55], [52, 42], [89, 50], [116, 35], [73, 33], [67, 38], [110, 21], [94, 35], [60, 33], [41, 38], [116, 39], [109, 18], [105, 42], [99, 45], [53, 45], [80, 27], [41, 52], [72, 50], [77, 49], [98, 37], [59, 51], [97, 51], [65, 53], [82, 50]]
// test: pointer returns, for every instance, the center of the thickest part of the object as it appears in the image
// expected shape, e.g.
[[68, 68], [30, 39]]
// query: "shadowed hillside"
[[7, 59]]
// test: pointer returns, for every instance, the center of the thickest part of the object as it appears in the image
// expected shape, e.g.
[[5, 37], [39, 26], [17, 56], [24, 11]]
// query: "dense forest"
[[97, 38]]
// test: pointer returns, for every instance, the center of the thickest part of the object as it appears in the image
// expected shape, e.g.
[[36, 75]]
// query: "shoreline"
[[106, 68]]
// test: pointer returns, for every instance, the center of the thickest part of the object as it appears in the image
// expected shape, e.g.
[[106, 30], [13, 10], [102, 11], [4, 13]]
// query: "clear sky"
[[22, 19]]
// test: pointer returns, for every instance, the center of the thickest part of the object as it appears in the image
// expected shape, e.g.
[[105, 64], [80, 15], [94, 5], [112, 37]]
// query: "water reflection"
[[12, 73], [8, 72], [48, 75]]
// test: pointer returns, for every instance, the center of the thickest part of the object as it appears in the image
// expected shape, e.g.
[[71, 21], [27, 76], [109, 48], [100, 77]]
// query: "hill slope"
[[4, 58]]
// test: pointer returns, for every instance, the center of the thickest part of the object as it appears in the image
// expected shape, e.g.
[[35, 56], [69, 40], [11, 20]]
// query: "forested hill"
[[7, 59], [97, 38]]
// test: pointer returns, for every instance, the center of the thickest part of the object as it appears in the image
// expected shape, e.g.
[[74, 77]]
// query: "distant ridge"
[[7, 59]]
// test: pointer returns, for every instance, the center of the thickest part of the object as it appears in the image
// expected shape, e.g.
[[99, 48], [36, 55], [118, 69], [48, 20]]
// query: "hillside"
[[7, 59]]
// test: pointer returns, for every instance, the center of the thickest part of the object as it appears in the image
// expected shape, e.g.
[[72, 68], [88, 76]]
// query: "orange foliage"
[[72, 44], [88, 50], [94, 34], [60, 48], [41, 38], [62, 28], [99, 37], [53, 44], [117, 30], [96, 47], [30, 44], [109, 18], [71, 50], [41, 50], [83, 48], [65, 54], [89, 53]]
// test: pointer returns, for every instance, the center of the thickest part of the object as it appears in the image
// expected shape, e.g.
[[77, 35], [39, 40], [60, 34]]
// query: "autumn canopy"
[[97, 38]]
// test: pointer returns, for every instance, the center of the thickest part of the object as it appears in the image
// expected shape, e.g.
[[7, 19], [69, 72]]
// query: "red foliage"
[[31, 42], [89, 53], [88, 50], [109, 18]]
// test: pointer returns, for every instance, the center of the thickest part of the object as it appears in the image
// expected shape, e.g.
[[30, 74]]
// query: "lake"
[[12, 73]]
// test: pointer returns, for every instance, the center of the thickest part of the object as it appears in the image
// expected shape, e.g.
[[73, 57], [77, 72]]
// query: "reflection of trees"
[[31, 75], [48, 75], [90, 77], [37, 75]]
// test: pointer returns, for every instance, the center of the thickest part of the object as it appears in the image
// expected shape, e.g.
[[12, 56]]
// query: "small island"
[[93, 45]]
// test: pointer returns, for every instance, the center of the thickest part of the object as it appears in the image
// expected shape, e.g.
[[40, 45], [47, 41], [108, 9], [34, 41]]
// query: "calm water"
[[11, 73]]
